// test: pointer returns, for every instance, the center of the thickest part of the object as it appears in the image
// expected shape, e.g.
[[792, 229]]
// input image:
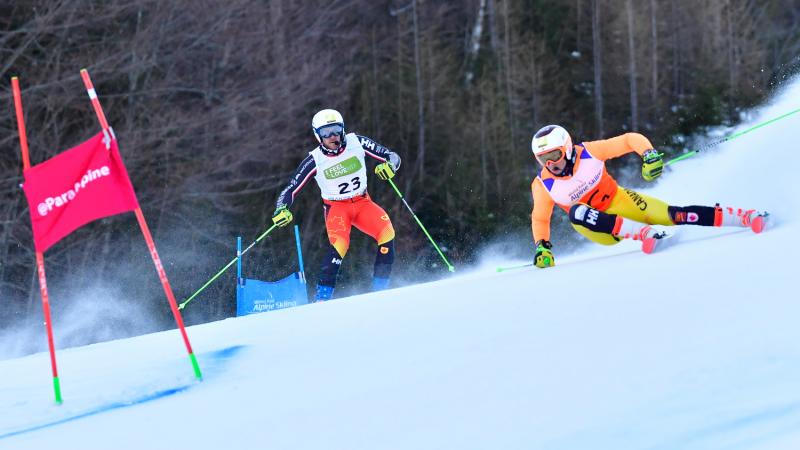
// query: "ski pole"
[[728, 138], [299, 254], [521, 266], [263, 235], [449, 266]]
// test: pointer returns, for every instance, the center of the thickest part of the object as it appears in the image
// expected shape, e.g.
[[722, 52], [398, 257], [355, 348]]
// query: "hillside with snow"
[[696, 346]]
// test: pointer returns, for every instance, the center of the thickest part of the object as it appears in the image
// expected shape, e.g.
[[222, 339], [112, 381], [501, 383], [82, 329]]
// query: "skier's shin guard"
[[384, 260], [692, 215], [592, 219], [383, 266], [330, 268]]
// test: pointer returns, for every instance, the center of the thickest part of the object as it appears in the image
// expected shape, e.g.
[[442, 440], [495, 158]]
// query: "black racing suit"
[[308, 168]]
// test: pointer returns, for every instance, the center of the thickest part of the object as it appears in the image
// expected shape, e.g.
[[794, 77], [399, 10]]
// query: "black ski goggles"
[[334, 129]]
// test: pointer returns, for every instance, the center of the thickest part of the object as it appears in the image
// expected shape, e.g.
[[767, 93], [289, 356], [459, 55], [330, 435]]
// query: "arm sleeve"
[[618, 146], [379, 152], [306, 170], [542, 211]]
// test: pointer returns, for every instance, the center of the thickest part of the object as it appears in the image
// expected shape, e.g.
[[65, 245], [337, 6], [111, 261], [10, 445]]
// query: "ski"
[[656, 240]]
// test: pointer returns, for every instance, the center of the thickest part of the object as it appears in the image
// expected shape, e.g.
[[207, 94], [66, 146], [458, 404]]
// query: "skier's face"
[[331, 135], [557, 168], [332, 142], [554, 160]]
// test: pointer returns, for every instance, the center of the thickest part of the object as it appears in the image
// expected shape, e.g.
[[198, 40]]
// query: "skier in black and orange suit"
[[574, 177], [337, 164]]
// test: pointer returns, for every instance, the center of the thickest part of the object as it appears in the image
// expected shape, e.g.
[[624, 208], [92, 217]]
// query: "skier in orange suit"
[[574, 177]]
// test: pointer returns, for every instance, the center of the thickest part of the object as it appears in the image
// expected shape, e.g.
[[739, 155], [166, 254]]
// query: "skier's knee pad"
[[578, 213], [592, 219], [330, 267], [384, 259]]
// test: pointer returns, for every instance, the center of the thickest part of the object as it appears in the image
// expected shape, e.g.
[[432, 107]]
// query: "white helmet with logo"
[[549, 138], [327, 123]]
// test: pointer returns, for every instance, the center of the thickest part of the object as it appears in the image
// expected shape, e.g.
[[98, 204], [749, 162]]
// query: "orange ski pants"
[[361, 212]]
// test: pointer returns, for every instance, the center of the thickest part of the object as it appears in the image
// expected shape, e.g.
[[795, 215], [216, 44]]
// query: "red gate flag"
[[75, 187]]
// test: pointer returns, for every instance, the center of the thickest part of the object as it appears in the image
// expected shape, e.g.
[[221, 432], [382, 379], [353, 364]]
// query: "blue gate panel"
[[255, 296]]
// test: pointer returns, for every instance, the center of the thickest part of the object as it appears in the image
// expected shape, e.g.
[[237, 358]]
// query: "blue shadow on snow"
[[220, 356]]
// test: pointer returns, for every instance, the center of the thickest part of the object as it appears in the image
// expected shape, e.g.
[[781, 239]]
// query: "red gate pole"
[[162, 275], [26, 164]]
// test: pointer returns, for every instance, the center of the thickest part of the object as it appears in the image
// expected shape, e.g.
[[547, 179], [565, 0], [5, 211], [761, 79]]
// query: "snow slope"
[[693, 347]]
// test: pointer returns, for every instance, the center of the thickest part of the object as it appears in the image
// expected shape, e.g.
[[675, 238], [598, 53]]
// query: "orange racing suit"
[[592, 185]]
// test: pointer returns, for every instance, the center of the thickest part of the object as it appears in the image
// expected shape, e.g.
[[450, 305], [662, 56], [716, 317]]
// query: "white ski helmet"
[[549, 138], [326, 123]]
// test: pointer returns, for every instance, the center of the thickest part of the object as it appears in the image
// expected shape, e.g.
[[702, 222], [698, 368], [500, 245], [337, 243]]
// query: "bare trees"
[[632, 72], [210, 102], [597, 51]]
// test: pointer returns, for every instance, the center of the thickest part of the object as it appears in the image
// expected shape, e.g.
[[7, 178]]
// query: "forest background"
[[212, 101]]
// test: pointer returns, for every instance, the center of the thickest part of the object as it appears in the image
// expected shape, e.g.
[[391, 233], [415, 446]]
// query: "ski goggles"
[[334, 129], [551, 157]]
